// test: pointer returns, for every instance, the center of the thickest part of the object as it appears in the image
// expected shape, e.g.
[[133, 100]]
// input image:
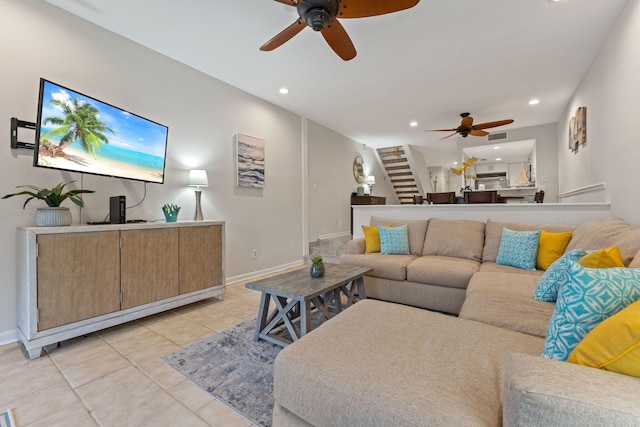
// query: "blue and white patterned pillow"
[[590, 296], [518, 248], [555, 276], [394, 240]]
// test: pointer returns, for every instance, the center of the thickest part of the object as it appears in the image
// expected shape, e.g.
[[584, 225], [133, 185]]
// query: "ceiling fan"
[[321, 15], [467, 127]]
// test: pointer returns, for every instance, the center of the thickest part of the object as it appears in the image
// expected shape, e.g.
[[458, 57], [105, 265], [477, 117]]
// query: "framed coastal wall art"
[[578, 129], [249, 161]]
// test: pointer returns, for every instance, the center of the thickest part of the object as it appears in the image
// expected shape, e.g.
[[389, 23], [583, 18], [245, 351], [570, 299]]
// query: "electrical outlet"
[[254, 253], [544, 179]]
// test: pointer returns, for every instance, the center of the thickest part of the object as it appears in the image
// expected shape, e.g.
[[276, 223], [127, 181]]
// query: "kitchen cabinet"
[[490, 168], [80, 279]]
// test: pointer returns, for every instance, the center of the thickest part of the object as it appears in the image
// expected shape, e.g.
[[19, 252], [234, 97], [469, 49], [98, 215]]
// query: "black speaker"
[[118, 207]]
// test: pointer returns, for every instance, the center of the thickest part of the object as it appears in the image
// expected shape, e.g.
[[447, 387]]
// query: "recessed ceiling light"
[[284, 90], [496, 147], [413, 124], [498, 159], [534, 102], [455, 163]]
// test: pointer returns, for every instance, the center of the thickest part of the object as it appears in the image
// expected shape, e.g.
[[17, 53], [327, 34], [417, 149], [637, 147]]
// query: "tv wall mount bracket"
[[15, 124]]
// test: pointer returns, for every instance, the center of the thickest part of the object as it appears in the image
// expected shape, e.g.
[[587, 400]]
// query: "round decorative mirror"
[[358, 169]]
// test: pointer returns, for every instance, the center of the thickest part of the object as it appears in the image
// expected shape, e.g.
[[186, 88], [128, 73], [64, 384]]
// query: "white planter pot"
[[53, 217]]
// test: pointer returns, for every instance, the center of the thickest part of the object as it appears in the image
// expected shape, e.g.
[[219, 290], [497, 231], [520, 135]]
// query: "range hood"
[[491, 175]]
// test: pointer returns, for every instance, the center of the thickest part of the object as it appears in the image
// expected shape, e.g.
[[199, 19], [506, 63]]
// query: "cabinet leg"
[[35, 353], [220, 297]]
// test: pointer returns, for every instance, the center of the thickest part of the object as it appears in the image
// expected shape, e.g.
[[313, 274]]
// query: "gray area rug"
[[232, 368]]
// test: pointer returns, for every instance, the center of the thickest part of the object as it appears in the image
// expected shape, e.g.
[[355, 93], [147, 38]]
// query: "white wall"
[[330, 181], [202, 113], [611, 93]]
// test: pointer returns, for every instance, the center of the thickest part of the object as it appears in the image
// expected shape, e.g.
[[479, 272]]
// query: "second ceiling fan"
[[467, 127], [321, 15]]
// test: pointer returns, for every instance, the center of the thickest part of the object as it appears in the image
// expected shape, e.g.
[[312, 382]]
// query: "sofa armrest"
[[355, 246], [543, 392]]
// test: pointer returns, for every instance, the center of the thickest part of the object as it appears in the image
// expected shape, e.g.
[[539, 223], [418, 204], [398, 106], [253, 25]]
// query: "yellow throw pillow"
[[371, 239], [614, 344], [551, 247], [604, 258]]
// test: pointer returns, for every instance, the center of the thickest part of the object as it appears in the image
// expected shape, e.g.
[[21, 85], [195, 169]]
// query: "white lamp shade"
[[370, 180], [198, 178]]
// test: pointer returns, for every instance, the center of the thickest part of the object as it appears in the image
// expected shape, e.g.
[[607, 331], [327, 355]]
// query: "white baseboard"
[[254, 274], [8, 337]]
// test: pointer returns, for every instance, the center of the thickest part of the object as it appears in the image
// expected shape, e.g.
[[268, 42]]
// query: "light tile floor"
[[115, 377]]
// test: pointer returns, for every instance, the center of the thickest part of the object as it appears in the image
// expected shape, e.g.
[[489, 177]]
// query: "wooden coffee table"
[[296, 293]]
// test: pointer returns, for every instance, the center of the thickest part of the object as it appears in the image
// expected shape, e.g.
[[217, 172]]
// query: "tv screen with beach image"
[[77, 133]]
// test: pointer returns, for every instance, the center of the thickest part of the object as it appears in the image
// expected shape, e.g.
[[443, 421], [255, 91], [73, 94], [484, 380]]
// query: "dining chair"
[[539, 197], [447, 197], [417, 199], [490, 196]]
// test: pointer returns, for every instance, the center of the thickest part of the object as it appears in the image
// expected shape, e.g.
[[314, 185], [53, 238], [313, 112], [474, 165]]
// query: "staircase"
[[394, 160]]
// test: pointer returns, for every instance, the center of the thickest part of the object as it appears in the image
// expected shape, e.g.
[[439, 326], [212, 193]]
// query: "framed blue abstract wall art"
[[249, 161]]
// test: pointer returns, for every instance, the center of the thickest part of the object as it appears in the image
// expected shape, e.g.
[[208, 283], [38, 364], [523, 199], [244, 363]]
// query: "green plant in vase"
[[53, 214], [171, 212], [317, 266]]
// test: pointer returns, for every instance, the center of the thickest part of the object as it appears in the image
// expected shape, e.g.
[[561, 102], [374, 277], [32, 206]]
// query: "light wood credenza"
[[80, 279]]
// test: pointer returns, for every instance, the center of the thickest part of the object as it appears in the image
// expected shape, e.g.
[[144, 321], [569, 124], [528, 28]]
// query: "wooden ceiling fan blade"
[[288, 2], [449, 136], [339, 40], [492, 124], [284, 36], [440, 130], [364, 8], [478, 132], [467, 122]]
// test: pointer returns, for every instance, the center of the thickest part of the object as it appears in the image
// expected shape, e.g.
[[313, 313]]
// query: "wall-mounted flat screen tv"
[[77, 133]]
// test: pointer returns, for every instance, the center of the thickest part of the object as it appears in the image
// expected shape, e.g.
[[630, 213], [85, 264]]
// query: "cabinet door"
[[78, 276], [149, 265], [200, 257]]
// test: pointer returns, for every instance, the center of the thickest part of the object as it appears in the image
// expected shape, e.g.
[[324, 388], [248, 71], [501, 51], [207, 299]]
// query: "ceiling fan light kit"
[[321, 16]]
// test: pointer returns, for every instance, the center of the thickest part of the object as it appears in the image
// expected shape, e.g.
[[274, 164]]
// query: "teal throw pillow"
[[394, 240], [590, 296], [555, 276], [518, 248]]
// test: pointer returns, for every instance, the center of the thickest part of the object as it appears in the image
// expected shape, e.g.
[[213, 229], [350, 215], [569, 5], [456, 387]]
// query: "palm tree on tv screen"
[[80, 122]]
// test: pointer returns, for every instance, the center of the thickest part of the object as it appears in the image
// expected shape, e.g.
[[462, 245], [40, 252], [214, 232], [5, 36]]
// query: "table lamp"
[[198, 178], [370, 181]]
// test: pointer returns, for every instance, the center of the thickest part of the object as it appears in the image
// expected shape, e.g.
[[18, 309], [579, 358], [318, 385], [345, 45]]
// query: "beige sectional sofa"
[[380, 363]]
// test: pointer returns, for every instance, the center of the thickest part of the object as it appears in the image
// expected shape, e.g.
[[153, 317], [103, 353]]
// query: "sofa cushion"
[[493, 234], [505, 300], [551, 247], [590, 296], [454, 238], [394, 240], [604, 258], [385, 364], [442, 271], [518, 248], [492, 267], [371, 239], [614, 344], [416, 230], [542, 392], [605, 233], [555, 276], [392, 267]]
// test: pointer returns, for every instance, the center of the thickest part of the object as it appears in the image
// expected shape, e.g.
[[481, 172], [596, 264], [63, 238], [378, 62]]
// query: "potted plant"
[[317, 266], [53, 214]]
